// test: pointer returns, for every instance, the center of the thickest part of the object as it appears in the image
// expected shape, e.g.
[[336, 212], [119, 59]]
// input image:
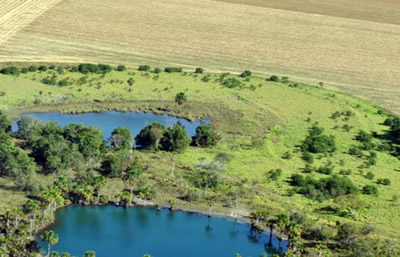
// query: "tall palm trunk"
[[130, 200], [31, 227], [48, 249], [98, 197]]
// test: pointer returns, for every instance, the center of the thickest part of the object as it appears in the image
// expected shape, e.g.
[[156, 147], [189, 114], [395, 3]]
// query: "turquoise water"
[[133, 232], [108, 121]]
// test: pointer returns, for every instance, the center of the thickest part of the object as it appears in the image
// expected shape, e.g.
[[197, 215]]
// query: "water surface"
[[108, 121], [133, 232]]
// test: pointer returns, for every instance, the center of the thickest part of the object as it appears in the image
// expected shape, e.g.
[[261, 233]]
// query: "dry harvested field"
[[359, 56]]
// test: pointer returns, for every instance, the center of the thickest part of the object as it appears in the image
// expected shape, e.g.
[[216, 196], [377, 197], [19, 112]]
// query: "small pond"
[[108, 121], [133, 232]]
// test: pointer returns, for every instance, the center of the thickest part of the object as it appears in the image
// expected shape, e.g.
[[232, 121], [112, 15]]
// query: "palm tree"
[[99, 181], [171, 202], [65, 255], [8, 216], [51, 238], [90, 254], [30, 208], [132, 174], [17, 212], [180, 98]]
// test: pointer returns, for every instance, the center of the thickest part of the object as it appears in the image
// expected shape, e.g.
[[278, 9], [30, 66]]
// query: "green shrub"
[[199, 70], [63, 82], [205, 136], [345, 172], [316, 142], [245, 73], [370, 175], [274, 174], [10, 70], [32, 68], [144, 68], [172, 69], [121, 68], [370, 190], [43, 68], [274, 78], [384, 181], [308, 157], [157, 70], [327, 170]]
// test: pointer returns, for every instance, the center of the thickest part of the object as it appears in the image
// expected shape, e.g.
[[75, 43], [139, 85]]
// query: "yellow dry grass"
[[358, 57]]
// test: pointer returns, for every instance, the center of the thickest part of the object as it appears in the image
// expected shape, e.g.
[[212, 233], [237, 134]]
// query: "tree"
[[113, 164], [5, 124], [51, 238], [132, 174], [27, 126], [90, 254], [30, 208], [245, 73], [151, 135], [98, 182], [175, 139], [199, 70], [121, 138], [346, 236], [121, 68], [205, 136], [144, 68], [180, 98]]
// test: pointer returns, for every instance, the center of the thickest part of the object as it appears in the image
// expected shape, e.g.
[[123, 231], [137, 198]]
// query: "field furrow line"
[[17, 18]]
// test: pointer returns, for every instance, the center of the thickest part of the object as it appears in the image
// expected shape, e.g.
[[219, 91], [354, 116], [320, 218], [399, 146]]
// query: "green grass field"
[[259, 123]]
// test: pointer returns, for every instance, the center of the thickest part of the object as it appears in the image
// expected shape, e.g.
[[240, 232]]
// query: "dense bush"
[[172, 69], [121, 138], [384, 181], [274, 78], [32, 68], [327, 170], [274, 174], [157, 70], [199, 70], [93, 68], [144, 68], [370, 190], [63, 82], [43, 68], [232, 83], [316, 142], [245, 73], [324, 188], [175, 139], [10, 70], [205, 136], [49, 81], [121, 68], [308, 157], [370, 175]]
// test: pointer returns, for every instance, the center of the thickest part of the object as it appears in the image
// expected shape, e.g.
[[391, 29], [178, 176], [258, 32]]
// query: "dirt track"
[[350, 55]]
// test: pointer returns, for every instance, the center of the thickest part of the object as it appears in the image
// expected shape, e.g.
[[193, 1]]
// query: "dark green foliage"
[[175, 139], [49, 81], [206, 78], [347, 236], [366, 140], [355, 151], [144, 68], [327, 170], [157, 70], [43, 68], [24, 70], [5, 124], [370, 175], [308, 169], [10, 70], [274, 174], [121, 138], [245, 73], [335, 115], [180, 98], [93, 68], [345, 172], [346, 127], [316, 142], [121, 68], [205, 136], [113, 163], [63, 82], [388, 122], [205, 179], [199, 70], [172, 69], [232, 83], [89, 140], [324, 188], [308, 157], [274, 78], [151, 135], [370, 190], [384, 181], [287, 155], [52, 67], [28, 126], [32, 68]]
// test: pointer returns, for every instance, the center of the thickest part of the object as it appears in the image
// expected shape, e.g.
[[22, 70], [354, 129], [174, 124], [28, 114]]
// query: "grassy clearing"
[[259, 123]]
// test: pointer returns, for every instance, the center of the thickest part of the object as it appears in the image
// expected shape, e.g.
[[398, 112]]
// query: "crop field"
[[349, 48], [260, 121]]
